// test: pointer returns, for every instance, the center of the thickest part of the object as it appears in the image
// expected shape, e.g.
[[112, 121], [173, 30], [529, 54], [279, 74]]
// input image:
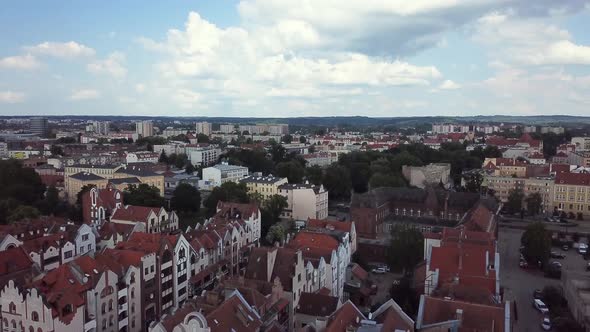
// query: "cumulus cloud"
[[112, 65], [12, 97], [84, 94], [24, 62], [449, 85], [529, 41], [69, 49]]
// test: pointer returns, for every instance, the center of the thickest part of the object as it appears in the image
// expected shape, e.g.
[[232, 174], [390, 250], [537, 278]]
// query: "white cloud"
[[528, 41], [69, 49], [12, 97], [25, 62], [140, 88], [84, 94], [449, 85], [187, 98], [112, 65]]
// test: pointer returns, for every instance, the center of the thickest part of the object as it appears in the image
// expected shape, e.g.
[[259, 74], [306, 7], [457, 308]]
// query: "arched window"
[[132, 279], [12, 308], [111, 321], [132, 308], [6, 322], [104, 308], [35, 316], [110, 305], [193, 259], [132, 293], [104, 323], [13, 322], [31, 329]]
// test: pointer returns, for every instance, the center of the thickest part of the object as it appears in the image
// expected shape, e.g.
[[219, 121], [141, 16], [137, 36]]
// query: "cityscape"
[[295, 166]]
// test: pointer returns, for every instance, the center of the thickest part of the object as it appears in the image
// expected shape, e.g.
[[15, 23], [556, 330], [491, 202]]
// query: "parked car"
[[555, 254], [556, 264], [523, 264], [379, 270], [538, 294], [546, 324], [587, 266], [565, 247], [583, 249], [540, 306]]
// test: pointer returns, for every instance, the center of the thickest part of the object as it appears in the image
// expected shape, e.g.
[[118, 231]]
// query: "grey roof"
[[287, 186], [124, 180], [227, 168], [85, 176], [261, 179], [110, 166], [136, 171]]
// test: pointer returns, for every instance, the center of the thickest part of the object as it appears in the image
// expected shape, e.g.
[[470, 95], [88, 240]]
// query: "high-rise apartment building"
[[144, 128], [203, 128], [101, 127], [38, 126]]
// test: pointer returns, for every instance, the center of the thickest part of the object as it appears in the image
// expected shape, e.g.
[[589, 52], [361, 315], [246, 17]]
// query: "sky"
[[291, 58]]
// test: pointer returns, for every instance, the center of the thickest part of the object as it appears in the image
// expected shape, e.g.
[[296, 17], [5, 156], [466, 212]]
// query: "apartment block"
[[304, 201], [266, 186], [217, 175]]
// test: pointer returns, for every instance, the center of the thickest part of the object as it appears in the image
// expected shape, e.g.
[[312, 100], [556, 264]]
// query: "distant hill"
[[353, 120]]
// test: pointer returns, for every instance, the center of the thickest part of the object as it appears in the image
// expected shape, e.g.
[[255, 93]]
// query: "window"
[[110, 305], [111, 321], [132, 293], [85, 237], [104, 308], [34, 316], [152, 269], [68, 254], [89, 247], [12, 308], [104, 324], [146, 271]]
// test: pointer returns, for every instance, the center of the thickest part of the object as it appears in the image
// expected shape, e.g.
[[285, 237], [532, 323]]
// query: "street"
[[519, 283]]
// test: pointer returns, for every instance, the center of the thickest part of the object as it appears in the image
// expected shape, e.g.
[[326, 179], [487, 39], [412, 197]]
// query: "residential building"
[[142, 157], [171, 132], [576, 290], [170, 148], [75, 182], [321, 159], [99, 204], [335, 226], [571, 193], [38, 126], [203, 156], [203, 128], [304, 201], [155, 220], [581, 143], [143, 174], [505, 167], [554, 130], [579, 158], [315, 309], [431, 174], [217, 175], [266, 186], [99, 127], [144, 128], [3, 150]]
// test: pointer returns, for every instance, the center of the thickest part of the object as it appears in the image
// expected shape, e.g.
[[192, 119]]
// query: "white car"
[[546, 324], [539, 305], [379, 270]]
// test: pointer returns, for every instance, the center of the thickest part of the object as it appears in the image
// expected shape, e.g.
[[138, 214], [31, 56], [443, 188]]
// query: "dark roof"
[[136, 171], [315, 304], [124, 180], [84, 176], [111, 166], [261, 179]]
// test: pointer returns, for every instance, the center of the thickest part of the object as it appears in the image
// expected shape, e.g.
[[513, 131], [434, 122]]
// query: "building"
[[431, 174], [99, 204], [217, 175], [142, 157], [554, 130], [505, 167], [155, 220], [579, 158], [304, 201], [581, 143], [576, 290], [99, 127], [266, 186], [38, 126], [75, 182], [571, 193], [144, 128], [445, 128], [143, 174], [321, 159], [203, 128], [3, 150], [227, 128], [203, 155]]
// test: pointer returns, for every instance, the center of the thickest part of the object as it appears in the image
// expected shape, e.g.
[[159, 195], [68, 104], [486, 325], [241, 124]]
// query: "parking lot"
[[383, 282], [519, 283]]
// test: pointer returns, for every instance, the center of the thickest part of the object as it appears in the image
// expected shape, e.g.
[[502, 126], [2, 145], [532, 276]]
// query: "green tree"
[[302, 139], [337, 181], [271, 212], [291, 170], [473, 181], [51, 203], [386, 180], [181, 160], [227, 192], [163, 157], [406, 248], [185, 198], [190, 168], [143, 195], [202, 138], [287, 139], [18, 186], [23, 212], [276, 233], [314, 174], [537, 243], [534, 203], [514, 203], [277, 152], [56, 150], [405, 296]]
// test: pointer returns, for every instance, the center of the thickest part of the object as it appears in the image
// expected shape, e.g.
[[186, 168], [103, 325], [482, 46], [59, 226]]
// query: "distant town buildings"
[[431, 174], [203, 128], [144, 128], [38, 126], [217, 175]]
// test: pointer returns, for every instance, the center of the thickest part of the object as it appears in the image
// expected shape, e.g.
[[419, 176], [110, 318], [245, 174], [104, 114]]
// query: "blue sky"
[[279, 58]]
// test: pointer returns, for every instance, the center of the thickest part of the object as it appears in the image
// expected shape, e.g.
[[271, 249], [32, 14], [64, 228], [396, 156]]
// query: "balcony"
[[123, 308], [90, 325]]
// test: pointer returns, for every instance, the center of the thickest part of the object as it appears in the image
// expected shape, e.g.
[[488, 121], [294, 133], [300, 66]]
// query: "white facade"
[[144, 128], [304, 201], [217, 175], [203, 156], [85, 240], [203, 128], [142, 156]]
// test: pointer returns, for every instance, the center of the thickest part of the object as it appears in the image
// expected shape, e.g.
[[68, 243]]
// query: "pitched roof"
[[347, 316], [14, 260], [475, 317], [345, 226], [234, 314], [134, 213], [85, 176], [315, 304], [577, 179]]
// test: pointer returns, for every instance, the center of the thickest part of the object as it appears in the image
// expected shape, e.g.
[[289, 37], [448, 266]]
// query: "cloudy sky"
[[279, 58]]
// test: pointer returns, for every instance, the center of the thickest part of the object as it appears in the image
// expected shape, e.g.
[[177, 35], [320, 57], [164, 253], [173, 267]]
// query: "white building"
[[203, 128], [203, 156], [304, 201], [581, 143], [3, 150], [142, 157], [227, 128], [217, 175], [144, 128]]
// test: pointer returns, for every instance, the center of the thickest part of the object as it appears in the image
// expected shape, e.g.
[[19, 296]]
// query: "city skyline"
[[284, 59]]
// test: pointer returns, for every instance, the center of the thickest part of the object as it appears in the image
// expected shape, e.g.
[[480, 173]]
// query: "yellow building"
[[143, 174], [571, 193], [105, 171], [505, 167], [75, 182], [266, 186]]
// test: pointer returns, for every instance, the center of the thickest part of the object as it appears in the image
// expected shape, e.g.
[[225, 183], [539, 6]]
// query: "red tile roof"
[[14, 260], [359, 272], [315, 304], [475, 317], [234, 314], [577, 179], [134, 213], [306, 239], [345, 226], [347, 316]]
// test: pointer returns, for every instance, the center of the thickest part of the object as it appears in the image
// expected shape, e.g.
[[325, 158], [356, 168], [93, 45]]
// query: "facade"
[[142, 157], [266, 186], [576, 290], [304, 201], [155, 220], [143, 175], [571, 193], [203, 156], [144, 128], [321, 159], [579, 158], [431, 174], [581, 143], [75, 183], [38, 126], [203, 128], [99, 204], [217, 175], [99, 127]]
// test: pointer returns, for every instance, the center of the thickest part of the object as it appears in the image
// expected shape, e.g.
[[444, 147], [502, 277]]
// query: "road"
[[519, 284]]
